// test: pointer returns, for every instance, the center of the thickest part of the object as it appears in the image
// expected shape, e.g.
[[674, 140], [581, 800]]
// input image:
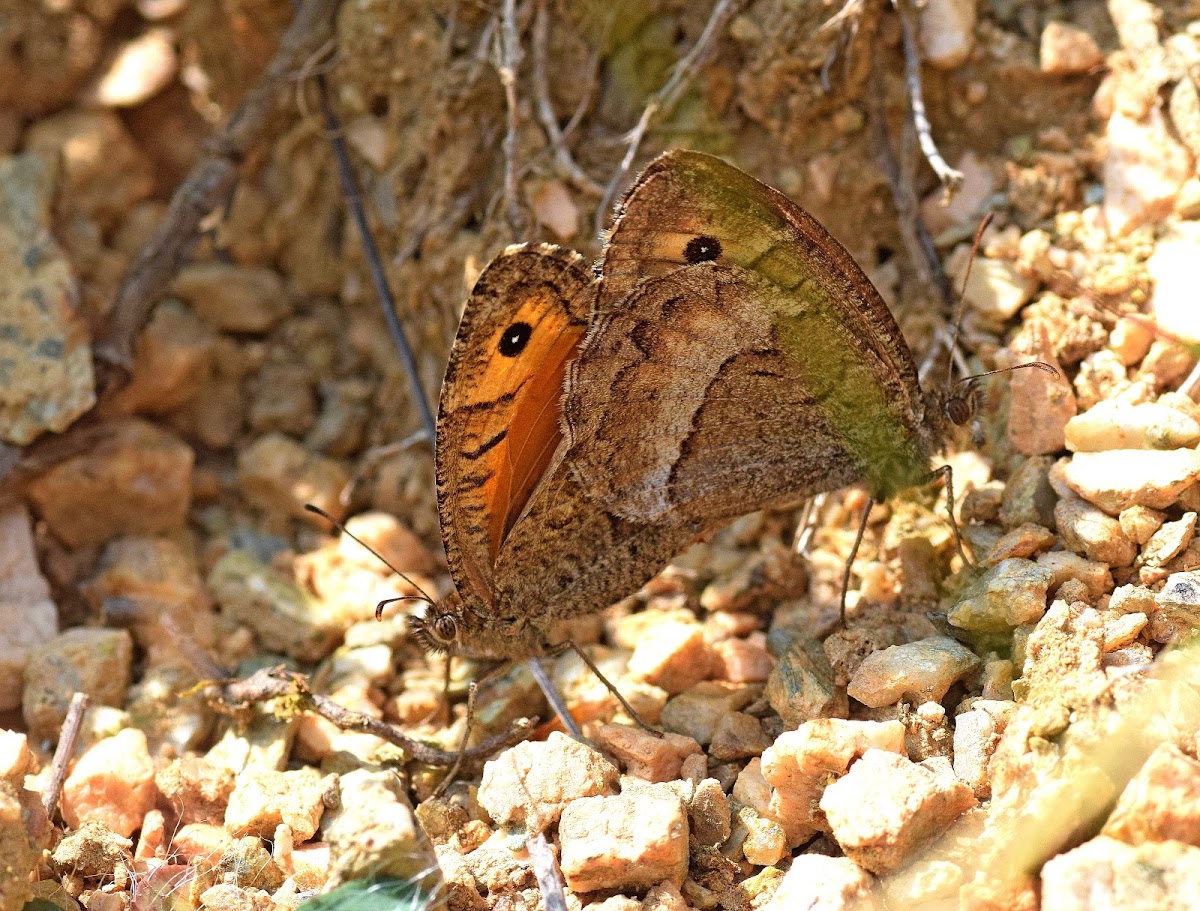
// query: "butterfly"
[[727, 355]]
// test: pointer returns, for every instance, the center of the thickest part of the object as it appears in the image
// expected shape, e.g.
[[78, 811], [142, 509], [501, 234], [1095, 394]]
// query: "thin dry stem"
[[67, 737], [545, 868], [545, 109], [666, 98], [510, 54], [950, 178], [272, 683]]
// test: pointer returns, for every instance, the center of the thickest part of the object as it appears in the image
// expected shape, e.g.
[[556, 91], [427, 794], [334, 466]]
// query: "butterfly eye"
[[960, 409], [445, 628], [702, 249], [515, 338]]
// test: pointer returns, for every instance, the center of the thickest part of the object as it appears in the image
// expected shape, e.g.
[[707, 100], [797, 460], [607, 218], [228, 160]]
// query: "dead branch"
[[545, 109], [273, 683], [67, 737], [211, 182], [666, 98], [950, 178], [509, 41]]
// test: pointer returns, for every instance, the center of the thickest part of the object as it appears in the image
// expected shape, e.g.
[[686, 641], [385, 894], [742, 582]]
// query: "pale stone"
[[624, 841], [1106, 873], [673, 656], [1143, 170], [818, 883], [947, 29], [1007, 595], [553, 207], [1092, 533], [996, 289], [84, 659], [1117, 425], [1067, 50], [373, 831], [232, 297], [1161, 802], [530, 784], [886, 807], [141, 68], [800, 763], [1120, 478], [920, 671], [263, 799], [1172, 266], [646, 756], [112, 783]]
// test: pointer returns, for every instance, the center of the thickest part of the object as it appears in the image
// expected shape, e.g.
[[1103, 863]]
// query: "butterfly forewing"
[[499, 416]]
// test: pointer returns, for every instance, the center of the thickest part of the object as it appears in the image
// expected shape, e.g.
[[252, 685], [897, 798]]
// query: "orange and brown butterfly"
[[732, 356]]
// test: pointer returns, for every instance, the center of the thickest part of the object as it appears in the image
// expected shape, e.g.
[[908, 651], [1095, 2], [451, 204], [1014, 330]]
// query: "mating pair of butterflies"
[[727, 355]]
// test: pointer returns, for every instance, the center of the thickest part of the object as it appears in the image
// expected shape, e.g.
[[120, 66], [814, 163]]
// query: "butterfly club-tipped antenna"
[[422, 596], [962, 299]]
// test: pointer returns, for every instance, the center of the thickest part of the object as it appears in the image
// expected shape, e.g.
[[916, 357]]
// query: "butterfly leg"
[[570, 645], [858, 539], [947, 473], [554, 697], [472, 689]]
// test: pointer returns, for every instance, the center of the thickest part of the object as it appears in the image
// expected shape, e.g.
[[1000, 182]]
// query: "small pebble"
[[922, 671], [530, 784], [1118, 425], [1161, 802], [1106, 873], [234, 298], [1140, 522], [738, 736], [644, 755], [697, 711], [112, 784], [1176, 608], [1067, 50], [263, 799], [84, 659], [1008, 594], [1092, 533], [1144, 167], [141, 68], [947, 30], [673, 656], [280, 476], [1024, 541], [817, 882], [743, 660], [1065, 567], [800, 763], [1169, 541], [802, 687], [621, 841], [136, 479], [887, 807], [1121, 478]]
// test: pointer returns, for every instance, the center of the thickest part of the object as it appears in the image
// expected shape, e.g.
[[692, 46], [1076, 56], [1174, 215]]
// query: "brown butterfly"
[[731, 357]]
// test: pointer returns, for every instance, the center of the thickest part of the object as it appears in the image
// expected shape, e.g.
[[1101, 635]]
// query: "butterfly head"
[[437, 628]]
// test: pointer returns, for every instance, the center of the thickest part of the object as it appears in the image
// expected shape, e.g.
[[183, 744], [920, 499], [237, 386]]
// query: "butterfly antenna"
[[1040, 365], [962, 297], [423, 596]]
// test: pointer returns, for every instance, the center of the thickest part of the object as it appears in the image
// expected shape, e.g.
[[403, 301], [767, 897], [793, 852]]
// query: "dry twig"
[[352, 191], [917, 240], [63, 752], [950, 178], [666, 98], [541, 91], [211, 182], [277, 682], [509, 41]]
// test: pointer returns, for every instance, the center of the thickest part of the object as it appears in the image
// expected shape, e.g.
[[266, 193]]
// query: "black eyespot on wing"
[[515, 338], [702, 249]]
